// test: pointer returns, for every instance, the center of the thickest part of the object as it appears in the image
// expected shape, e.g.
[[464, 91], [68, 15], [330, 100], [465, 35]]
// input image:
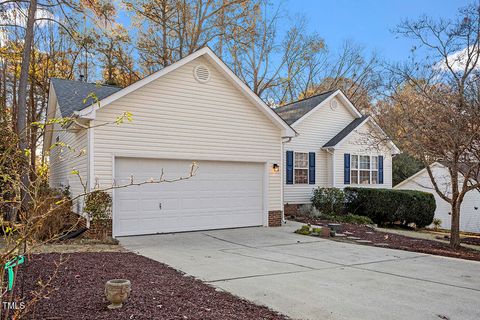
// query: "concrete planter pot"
[[117, 292]]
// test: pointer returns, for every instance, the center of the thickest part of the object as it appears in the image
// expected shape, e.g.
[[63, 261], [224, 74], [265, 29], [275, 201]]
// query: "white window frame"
[[373, 172], [300, 168]]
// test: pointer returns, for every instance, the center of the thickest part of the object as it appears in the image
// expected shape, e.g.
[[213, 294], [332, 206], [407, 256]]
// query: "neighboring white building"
[[193, 110], [470, 209], [336, 146]]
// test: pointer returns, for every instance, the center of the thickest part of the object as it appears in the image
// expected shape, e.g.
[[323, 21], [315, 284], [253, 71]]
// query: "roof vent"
[[201, 73], [333, 104]]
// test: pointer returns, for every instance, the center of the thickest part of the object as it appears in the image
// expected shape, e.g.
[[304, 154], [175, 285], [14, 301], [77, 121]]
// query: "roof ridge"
[[311, 97], [83, 82]]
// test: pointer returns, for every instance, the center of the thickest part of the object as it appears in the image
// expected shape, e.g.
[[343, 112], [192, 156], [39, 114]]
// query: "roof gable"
[[356, 124], [293, 111], [345, 132], [287, 131], [296, 112], [462, 170]]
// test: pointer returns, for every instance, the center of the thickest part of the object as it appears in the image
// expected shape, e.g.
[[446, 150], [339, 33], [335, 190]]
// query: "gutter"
[[282, 176]]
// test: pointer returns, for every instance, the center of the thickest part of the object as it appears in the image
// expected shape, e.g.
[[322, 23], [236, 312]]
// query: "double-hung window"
[[364, 169], [301, 168]]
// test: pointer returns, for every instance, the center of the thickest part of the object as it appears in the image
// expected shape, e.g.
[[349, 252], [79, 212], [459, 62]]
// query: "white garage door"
[[220, 195]]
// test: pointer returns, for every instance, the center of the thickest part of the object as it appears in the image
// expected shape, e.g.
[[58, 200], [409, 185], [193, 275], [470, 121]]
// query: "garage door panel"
[[220, 195]]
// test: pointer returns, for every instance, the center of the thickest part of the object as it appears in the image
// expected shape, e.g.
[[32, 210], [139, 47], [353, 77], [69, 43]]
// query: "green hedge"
[[328, 200], [385, 206]]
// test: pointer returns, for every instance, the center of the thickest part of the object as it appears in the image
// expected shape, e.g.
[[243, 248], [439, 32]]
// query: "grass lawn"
[[158, 291]]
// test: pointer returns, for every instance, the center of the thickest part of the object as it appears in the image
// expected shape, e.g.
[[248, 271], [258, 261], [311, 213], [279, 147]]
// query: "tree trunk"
[[455, 228], [22, 96]]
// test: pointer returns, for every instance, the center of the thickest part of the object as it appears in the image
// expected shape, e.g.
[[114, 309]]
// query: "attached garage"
[[193, 110], [221, 194]]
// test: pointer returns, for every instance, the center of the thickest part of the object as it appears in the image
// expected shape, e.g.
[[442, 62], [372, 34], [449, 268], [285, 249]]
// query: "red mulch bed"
[[158, 291], [401, 242], [467, 240], [471, 240]]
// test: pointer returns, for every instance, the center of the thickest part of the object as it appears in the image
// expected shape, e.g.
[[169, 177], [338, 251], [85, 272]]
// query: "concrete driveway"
[[309, 278]]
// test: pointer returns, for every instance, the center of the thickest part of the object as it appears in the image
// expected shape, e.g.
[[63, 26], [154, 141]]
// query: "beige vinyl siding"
[[314, 131], [362, 142], [470, 208], [71, 156], [176, 117]]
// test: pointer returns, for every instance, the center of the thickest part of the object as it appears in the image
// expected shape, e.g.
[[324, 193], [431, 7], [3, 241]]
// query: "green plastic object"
[[18, 260]]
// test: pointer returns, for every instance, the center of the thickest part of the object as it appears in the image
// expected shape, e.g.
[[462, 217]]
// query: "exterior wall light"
[[276, 167]]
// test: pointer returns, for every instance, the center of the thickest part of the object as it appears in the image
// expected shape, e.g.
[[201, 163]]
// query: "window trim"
[[372, 171], [300, 168]]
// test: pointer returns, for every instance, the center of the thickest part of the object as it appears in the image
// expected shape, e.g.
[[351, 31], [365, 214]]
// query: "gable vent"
[[333, 104], [201, 73]]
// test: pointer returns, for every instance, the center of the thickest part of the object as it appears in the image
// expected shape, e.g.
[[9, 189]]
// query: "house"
[[195, 110], [336, 146], [470, 208]]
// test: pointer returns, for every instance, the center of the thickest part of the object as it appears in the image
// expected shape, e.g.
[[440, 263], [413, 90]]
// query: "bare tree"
[[433, 111], [352, 71], [170, 30], [22, 91]]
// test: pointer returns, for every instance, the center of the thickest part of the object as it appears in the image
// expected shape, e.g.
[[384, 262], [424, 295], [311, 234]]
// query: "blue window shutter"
[[311, 167], [289, 167], [346, 168], [380, 169]]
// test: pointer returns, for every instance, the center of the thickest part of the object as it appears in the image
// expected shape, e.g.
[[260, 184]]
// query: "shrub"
[[356, 219], [437, 223], [50, 216], [308, 210], [98, 205], [348, 218], [304, 230], [328, 200], [385, 206], [317, 230]]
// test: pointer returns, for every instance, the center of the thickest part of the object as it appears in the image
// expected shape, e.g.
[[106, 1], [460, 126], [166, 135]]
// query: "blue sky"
[[368, 22]]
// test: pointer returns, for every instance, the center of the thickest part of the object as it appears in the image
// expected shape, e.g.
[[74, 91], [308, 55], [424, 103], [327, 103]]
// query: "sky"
[[368, 22]]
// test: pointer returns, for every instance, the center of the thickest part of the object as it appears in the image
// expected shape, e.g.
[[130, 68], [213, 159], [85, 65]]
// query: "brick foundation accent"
[[99, 229], [291, 209], [275, 218]]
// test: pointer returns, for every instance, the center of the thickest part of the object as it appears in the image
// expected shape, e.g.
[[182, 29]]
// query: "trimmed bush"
[[356, 219], [385, 206], [98, 205], [328, 200], [348, 218]]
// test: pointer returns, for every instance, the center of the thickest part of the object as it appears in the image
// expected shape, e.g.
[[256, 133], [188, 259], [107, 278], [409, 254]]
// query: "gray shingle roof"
[[342, 134], [71, 94], [295, 110]]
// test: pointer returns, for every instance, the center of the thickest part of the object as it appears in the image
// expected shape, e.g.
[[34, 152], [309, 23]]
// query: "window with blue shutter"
[[289, 175], [380, 169], [311, 167], [346, 168]]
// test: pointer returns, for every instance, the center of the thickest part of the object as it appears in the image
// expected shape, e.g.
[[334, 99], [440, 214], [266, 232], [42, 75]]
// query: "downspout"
[[282, 177], [90, 164]]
